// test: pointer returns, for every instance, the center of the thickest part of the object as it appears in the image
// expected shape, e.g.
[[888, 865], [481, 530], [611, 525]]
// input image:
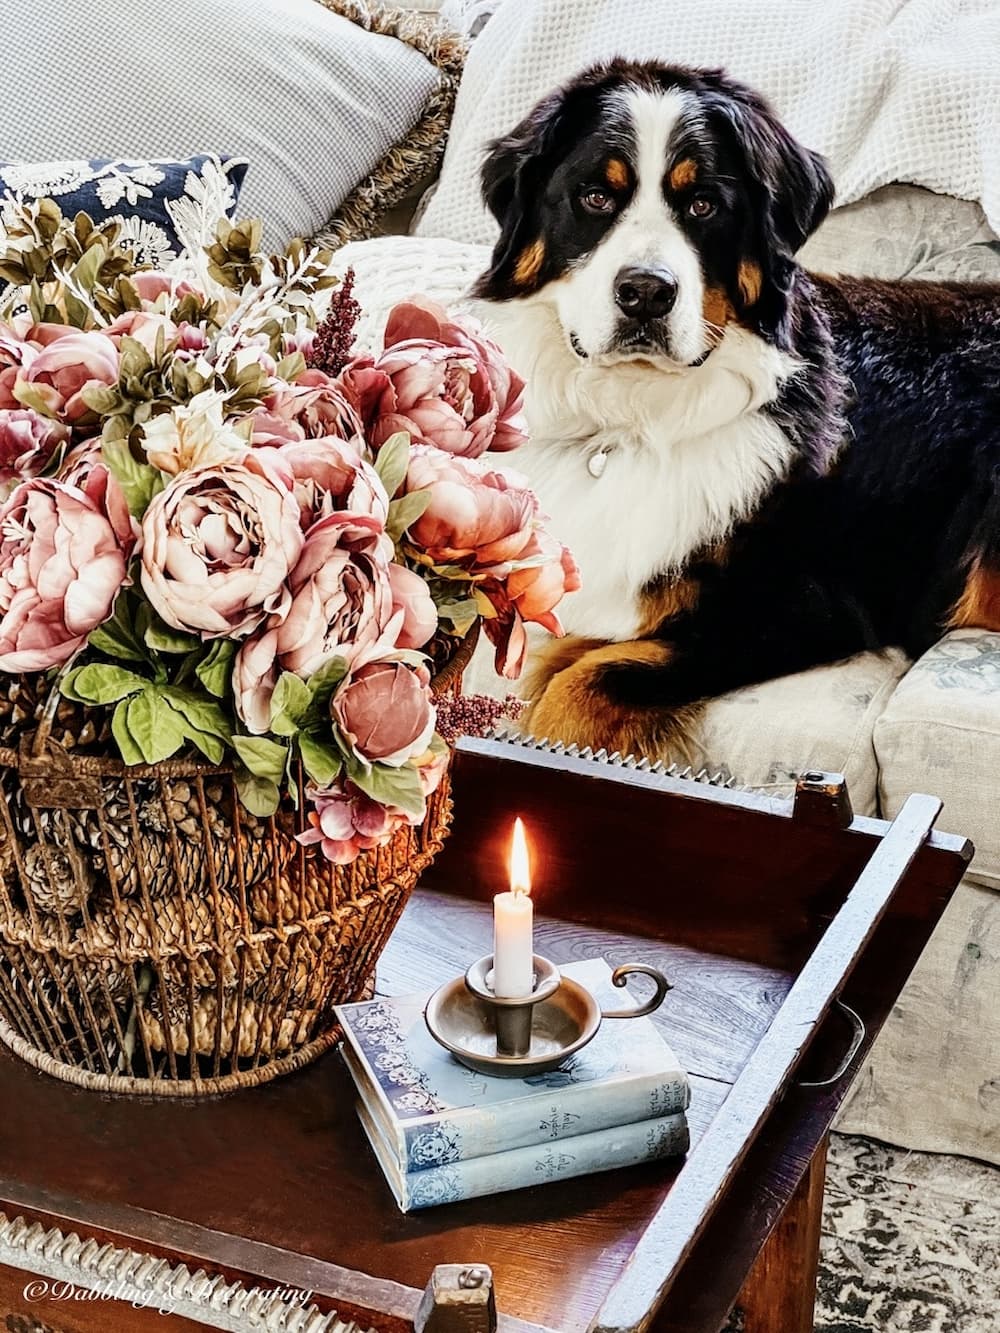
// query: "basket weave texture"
[[155, 937]]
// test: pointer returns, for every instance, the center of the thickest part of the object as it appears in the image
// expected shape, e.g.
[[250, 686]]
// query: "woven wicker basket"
[[157, 938]]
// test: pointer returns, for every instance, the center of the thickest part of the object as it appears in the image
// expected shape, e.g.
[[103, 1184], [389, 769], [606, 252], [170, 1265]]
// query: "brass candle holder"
[[512, 1038]]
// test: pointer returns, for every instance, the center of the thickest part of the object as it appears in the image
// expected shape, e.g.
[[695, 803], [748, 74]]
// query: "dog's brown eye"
[[701, 207], [598, 201]]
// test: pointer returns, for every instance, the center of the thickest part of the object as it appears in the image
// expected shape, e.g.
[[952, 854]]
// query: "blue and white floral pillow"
[[161, 205]]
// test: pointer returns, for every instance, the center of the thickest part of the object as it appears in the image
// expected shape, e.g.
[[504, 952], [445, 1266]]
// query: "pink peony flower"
[[411, 595], [385, 712], [341, 606], [476, 516], [28, 443], [66, 365], [219, 544], [330, 476], [443, 381], [487, 522], [144, 327], [313, 407], [62, 563], [345, 822]]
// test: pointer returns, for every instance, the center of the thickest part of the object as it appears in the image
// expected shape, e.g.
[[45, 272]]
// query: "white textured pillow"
[[888, 91], [312, 100]]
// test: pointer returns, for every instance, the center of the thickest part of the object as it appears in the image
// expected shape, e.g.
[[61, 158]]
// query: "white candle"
[[513, 966]]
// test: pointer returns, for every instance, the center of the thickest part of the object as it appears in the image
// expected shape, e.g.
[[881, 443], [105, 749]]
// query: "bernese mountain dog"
[[758, 469]]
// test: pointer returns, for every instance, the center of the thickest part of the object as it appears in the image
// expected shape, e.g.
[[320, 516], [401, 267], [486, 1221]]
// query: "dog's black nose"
[[645, 293]]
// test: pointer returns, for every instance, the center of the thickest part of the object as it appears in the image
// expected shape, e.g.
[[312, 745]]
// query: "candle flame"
[[520, 868]]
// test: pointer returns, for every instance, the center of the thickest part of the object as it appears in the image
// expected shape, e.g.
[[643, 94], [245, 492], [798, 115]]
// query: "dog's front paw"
[[607, 700]]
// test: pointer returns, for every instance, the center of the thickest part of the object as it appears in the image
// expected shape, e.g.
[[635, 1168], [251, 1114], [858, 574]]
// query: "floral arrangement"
[[231, 534]]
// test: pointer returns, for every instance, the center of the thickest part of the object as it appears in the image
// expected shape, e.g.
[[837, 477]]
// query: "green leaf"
[[459, 613], [262, 757], [259, 795], [325, 679], [101, 683], [86, 271], [215, 670], [390, 786], [127, 747], [405, 511], [211, 747], [164, 639], [154, 726], [200, 713], [139, 481], [393, 460], [116, 638], [322, 762], [289, 703], [291, 367]]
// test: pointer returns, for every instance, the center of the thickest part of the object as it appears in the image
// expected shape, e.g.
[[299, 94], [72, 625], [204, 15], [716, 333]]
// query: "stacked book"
[[442, 1132]]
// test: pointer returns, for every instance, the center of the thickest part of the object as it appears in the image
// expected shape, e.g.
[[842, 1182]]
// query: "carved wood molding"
[[130, 1276]]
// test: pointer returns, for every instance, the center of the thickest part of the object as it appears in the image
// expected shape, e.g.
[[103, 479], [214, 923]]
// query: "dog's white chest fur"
[[681, 457]]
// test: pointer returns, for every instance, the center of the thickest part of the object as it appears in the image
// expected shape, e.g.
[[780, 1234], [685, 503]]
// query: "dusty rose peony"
[[411, 595], [144, 327], [341, 606], [313, 407], [219, 544], [28, 443], [330, 476], [62, 563], [345, 822], [66, 365], [487, 522], [441, 380], [385, 712], [476, 516]]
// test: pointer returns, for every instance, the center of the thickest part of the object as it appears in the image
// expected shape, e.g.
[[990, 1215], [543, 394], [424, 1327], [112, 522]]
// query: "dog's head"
[[652, 205]]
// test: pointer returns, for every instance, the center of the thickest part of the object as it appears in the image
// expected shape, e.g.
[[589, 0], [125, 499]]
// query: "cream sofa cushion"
[[765, 736], [940, 733]]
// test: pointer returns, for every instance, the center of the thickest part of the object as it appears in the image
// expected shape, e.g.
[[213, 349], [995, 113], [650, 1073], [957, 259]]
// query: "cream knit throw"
[[889, 90]]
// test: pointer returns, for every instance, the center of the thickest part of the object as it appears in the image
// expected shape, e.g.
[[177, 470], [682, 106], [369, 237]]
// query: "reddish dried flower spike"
[[331, 350]]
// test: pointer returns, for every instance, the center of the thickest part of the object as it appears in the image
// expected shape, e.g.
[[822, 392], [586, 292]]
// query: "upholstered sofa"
[[890, 725]]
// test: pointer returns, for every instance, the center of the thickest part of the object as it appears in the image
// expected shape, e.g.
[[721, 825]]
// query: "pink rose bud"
[[66, 365]]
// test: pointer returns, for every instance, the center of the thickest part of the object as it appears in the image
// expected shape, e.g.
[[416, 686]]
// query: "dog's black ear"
[[795, 182], [511, 177], [792, 193]]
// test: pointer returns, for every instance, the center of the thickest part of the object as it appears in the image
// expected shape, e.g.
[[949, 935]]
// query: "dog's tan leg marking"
[[576, 708], [979, 605]]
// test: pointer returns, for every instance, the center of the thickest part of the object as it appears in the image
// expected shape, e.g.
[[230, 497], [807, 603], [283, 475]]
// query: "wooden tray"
[[764, 913]]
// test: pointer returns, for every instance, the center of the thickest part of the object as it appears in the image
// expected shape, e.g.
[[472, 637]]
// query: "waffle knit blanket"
[[889, 90]]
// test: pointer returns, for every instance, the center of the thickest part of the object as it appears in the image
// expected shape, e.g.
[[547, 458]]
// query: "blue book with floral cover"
[[537, 1164], [430, 1111]]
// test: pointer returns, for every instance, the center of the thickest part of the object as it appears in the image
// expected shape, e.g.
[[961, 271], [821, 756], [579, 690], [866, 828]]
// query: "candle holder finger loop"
[[620, 976], [514, 1037]]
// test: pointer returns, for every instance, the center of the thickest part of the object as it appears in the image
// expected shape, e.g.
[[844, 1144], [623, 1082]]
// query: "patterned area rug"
[[911, 1243]]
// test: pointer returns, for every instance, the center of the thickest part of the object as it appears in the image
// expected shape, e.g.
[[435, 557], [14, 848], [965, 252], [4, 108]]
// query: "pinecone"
[[282, 1031], [58, 878], [172, 842], [136, 932], [306, 956], [22, 701]]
